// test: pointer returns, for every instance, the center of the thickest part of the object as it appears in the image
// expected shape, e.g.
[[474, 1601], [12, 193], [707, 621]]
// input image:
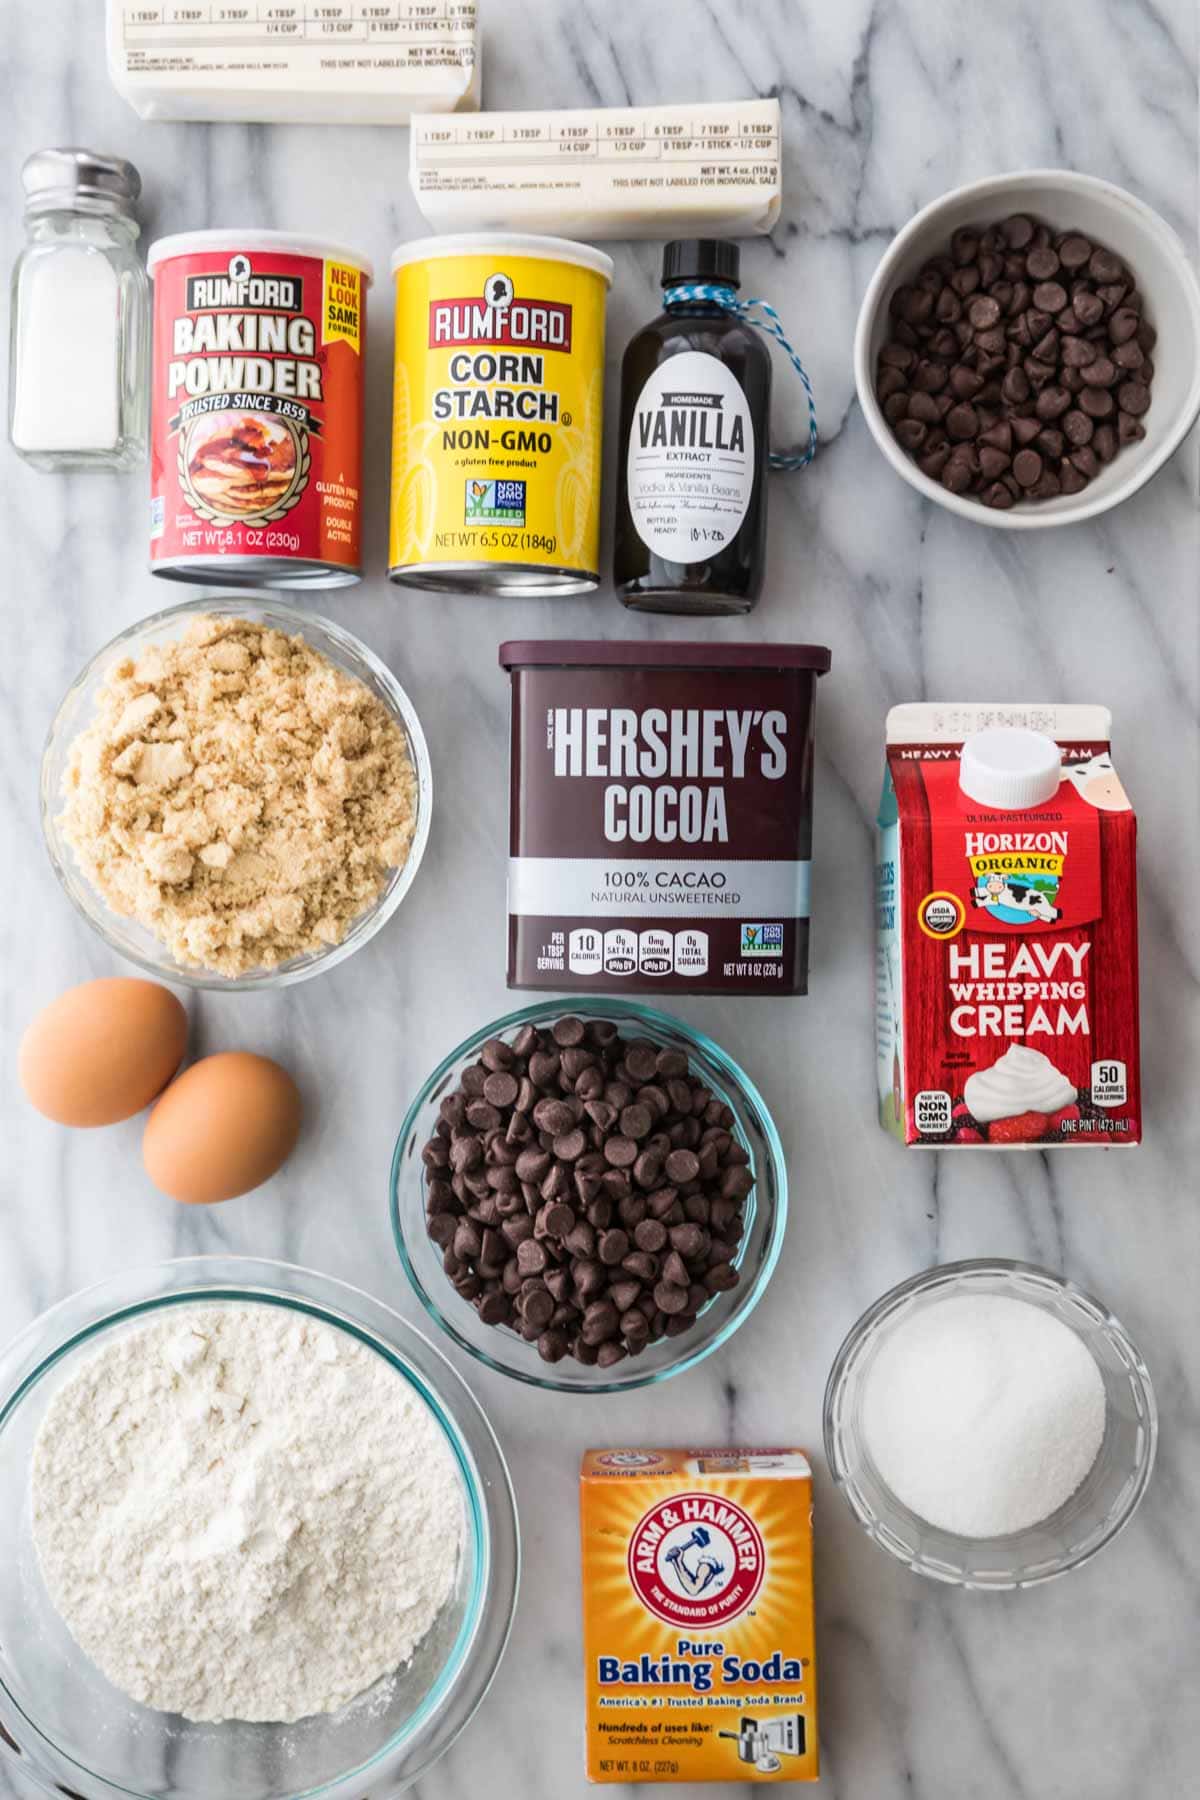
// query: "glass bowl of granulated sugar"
[[990, 1424], [261, 1541], [236, 793]]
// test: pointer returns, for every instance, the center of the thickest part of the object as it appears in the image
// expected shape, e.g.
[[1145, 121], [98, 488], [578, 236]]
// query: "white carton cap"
[[1011, 769]]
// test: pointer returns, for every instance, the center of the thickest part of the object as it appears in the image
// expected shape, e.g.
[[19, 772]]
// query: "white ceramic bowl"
[[1163, 271]]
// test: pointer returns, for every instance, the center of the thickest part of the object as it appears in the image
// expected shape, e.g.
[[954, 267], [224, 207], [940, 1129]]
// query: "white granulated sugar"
[[983, 1414], [241, 1514]]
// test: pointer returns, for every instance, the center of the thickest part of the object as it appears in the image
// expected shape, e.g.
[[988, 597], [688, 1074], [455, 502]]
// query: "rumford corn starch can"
[[497, 414]]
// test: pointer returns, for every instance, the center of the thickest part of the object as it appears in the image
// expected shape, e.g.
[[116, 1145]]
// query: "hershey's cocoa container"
[[256, 409], [660, 832]]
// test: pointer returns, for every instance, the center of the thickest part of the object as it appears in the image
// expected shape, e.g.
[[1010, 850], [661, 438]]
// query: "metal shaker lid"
[[79, 180]]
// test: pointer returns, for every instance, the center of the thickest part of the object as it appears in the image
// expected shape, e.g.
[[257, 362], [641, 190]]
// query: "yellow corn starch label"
[[341, 305], [698, 1641], [497, 413]]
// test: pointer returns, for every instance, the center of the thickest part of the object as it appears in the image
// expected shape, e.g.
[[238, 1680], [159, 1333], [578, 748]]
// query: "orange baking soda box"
[[698, 1646]]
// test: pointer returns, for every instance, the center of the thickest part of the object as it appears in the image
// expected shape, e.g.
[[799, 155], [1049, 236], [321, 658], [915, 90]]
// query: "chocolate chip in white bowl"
[[1016, 347]]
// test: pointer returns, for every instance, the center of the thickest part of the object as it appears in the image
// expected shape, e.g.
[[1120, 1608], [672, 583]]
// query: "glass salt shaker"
[[79, 349]]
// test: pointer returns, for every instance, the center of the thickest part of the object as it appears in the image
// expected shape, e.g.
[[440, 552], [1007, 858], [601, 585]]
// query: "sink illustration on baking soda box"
[[1006, 896]]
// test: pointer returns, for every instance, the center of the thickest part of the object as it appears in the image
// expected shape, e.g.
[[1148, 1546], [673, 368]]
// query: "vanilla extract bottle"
[[695, 407]]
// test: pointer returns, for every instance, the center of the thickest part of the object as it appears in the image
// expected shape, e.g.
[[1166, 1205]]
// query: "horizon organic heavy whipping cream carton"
[[1006, 895]]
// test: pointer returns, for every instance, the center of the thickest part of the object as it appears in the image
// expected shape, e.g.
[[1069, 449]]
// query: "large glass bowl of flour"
[[65, 1727]]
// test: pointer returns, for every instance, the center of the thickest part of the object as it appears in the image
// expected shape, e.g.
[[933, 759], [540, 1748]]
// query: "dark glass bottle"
[[692, 462]]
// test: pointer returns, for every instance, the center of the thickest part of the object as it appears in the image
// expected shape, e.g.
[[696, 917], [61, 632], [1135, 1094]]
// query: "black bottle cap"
[[702, 259]]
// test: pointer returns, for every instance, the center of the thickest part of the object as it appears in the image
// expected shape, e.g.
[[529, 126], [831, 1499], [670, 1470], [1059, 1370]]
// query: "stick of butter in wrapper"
[[280, 61], [712, 169]]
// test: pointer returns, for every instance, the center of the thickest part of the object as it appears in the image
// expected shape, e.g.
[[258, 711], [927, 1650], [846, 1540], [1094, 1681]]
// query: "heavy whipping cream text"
[[676, 750], [1007, 931]]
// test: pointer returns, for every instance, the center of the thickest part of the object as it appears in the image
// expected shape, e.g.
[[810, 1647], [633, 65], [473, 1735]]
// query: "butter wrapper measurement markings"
[[604, 172], [661, 816], [315, 62]]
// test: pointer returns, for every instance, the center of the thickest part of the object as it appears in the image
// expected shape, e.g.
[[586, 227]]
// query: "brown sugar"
[[239, 795]]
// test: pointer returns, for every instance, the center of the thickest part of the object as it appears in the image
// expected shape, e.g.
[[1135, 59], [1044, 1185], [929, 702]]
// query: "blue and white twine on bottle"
[[761, 314]]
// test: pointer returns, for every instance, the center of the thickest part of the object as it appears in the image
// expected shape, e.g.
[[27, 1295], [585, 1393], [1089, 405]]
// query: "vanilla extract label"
[[690, 469]]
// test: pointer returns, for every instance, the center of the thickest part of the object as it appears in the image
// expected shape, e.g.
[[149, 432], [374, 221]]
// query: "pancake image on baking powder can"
[[257, 410], [497, 414]]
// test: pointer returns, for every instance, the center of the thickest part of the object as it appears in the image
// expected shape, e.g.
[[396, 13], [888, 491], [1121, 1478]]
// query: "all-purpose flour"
[[241, 1514]]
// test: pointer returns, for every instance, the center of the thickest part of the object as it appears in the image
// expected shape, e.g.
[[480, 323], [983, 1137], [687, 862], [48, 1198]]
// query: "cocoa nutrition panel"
[[660, 828]]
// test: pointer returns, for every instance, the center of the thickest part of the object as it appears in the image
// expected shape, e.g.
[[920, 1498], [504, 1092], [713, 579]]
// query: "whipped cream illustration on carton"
[[1006, 896]]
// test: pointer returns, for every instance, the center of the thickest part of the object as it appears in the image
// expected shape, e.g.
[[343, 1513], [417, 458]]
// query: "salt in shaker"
[[79, 346]]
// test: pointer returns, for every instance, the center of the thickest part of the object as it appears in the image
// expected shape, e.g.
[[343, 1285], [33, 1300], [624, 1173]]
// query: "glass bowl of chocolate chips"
[[1028, 350], [590, 1198]]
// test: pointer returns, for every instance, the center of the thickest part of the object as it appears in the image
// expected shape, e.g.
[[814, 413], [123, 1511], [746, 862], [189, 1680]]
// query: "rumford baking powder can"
[[257, 409], [497, 414]]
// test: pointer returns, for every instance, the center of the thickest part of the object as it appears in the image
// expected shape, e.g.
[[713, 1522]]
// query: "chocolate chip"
[[1052, 403], [650, 1235], [613, 1246], [1104, 441], [641, 1059], [670, 1298], [1017, 327], [983, 312], [531, 1257], [961, 422], [1077, 427], [500, 1089], [1027, 467], [577, 1183], [1096, 402], [1073, 252], [1104, 266], [1042, 264], [1132, 397]]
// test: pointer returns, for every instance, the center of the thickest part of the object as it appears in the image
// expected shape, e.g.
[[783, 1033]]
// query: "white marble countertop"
[[1086, 1686]]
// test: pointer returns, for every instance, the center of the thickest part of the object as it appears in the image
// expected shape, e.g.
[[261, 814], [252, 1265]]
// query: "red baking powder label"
[[1007, 972], [696, 1560], [256, 429]]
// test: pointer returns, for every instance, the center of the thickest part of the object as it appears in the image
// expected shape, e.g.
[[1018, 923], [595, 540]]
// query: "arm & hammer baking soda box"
[[699, 1659], [1007, 953]]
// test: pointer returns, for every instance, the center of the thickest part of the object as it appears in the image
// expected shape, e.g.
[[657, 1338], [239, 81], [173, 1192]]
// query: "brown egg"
[[102, 1051], [223, 1128]]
